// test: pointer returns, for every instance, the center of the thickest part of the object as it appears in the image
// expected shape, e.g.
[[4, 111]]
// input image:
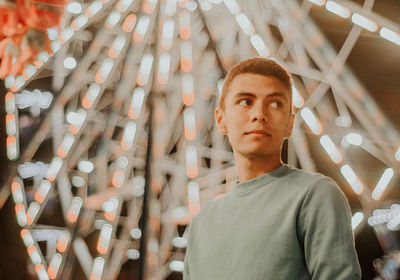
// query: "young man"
[[277, 222]]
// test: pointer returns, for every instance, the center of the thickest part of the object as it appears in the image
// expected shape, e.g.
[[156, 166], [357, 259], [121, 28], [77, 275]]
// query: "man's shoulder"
[[307, 179]]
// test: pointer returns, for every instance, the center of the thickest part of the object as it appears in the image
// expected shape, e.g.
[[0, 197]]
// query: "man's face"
[[257, 115]]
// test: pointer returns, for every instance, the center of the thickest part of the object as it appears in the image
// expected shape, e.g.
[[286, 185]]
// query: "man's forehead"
[[257, 84]]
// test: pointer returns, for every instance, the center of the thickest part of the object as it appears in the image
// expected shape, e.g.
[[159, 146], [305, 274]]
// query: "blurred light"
[[145, 69], [393, 223], [141, 28], [27, 238], [91, 95], [184, 25], [85, 166], [397, 154], [352, 179], [138, 183], [74, 8], [193, 192], [9, 81], [354, 139], [149, 6], [104, 70], [112, 19], [11, 125], [179, 242], [123, 5], [343, 121], [32, 212], [390, 35], [189, 119], [297, 99], [232, 6], [186, 56], [331, 148], [132, 254], [44, 55], [163, 68], [30, 70], [364, 22], [205, 5], [191, 161], [65, 145], [54, 265], [136, 103], [33, 98], [34, 255], [311, 120], [117, 46], [136, 233], [220, 85], [118, 178], [258, 43], [54, 168], [22, 219], [191, 6], [318, 2], [17, 193], [75, 208], [55, 46], [122, 162], [129, 23], [167, 34], [42, 191], [110, 208], [356, 219], [187, 89], [12, 151], [128, 136], [179, 213], [170, 7], [97, 269], [76, 118], [245, 24], [338, 9], [78, 181], [177, 266], [52, 32], [94, 8], [104, 239], [67, 34], [79, 22], [10, 102], [41, 272], [382, 183]]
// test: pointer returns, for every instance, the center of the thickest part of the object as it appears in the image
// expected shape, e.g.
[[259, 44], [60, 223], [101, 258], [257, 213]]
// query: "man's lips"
[[257, 131]]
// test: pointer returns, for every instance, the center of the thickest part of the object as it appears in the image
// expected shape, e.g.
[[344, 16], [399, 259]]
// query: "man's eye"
[[276, 104], [244, 102]]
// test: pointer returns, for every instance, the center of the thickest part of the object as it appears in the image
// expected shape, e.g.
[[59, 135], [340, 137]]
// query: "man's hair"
[[257, 65]]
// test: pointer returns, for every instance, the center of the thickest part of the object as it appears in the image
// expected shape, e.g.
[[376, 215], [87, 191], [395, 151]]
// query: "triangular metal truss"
[[119, 65]]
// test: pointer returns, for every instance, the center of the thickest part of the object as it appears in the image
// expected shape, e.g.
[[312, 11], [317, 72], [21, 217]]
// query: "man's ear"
[[289, 126], [220, 119]]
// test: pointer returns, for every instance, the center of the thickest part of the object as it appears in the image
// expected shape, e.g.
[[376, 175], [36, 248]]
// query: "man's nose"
[[259, 114]]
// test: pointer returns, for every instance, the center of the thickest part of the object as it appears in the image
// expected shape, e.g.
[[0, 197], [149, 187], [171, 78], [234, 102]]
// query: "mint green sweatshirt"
[[286, 224]]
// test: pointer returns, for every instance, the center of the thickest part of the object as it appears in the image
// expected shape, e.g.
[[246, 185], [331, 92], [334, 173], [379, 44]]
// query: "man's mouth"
[[257, 132]]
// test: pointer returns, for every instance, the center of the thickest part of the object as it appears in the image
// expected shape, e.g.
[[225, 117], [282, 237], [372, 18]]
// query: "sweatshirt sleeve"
[[325, 229]]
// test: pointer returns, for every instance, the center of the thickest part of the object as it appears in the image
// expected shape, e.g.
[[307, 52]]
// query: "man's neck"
[[252, 167]]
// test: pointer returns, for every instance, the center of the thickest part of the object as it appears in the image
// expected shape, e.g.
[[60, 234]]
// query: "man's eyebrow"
[[271, 95], [279, 94], [244, 94]]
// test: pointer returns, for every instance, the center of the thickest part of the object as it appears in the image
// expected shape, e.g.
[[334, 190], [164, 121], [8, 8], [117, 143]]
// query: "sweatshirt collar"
[[252, 184]]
